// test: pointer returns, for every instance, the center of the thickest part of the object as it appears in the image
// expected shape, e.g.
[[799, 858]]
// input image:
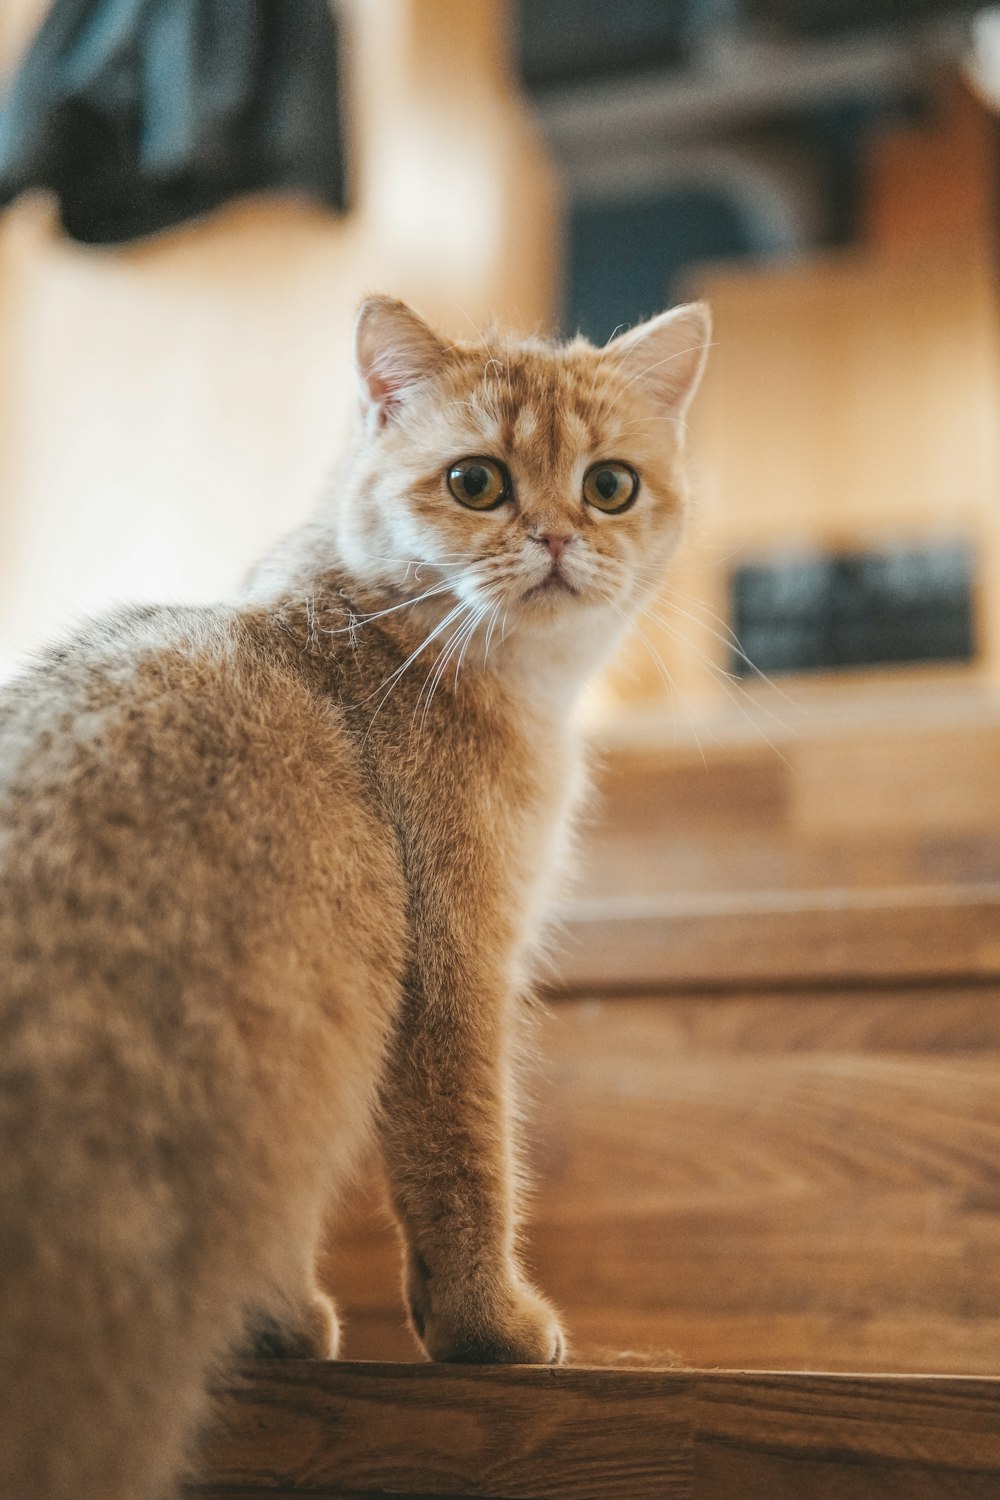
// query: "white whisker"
[[463, 633], [665, 677], [726, 682], [394, 677]]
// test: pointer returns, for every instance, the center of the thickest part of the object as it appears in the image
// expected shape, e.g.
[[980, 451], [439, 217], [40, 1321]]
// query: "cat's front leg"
[[485, 1319], [447, 1143]]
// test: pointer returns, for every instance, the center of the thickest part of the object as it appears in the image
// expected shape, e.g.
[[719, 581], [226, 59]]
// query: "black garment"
[[139, 114]]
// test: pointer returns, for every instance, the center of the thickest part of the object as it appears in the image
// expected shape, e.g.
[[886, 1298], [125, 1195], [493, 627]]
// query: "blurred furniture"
[[851, 401], [131, 114], [718, 130]]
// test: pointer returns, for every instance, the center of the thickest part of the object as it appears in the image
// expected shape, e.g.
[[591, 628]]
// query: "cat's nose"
[[555, 541]]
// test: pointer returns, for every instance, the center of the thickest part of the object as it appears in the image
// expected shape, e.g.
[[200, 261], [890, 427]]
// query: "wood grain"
[[241, 1492], [849, 1439], [584, 1434], [788, 1179], [862, 789], [452, 1431], [782, 1181], [843, 936], [776, 1181], [947, 779]]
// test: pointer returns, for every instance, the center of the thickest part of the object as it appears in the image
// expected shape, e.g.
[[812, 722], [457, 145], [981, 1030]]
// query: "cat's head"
[[538, 480]]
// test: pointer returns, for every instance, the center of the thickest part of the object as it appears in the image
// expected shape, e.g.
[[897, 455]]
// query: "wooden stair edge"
[[907, 699], [305, 1427], [849, 936]]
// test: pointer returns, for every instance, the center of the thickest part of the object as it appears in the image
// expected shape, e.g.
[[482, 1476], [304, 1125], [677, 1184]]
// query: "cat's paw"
[[310, 1331], [509, 1326]]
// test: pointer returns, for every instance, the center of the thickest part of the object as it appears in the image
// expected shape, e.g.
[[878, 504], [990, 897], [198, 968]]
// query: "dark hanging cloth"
[[139, 114]]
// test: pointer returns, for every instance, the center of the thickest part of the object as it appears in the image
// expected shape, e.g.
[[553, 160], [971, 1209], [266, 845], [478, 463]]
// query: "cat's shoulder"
[[163, 670]]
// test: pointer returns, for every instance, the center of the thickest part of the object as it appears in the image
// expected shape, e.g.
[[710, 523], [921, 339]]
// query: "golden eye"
[[479, 483], [610, 487]]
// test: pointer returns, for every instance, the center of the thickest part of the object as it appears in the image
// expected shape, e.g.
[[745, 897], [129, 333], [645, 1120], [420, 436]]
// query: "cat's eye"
[[479, 483], [610, 487]]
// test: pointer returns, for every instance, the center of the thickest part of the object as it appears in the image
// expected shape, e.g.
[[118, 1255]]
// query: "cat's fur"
[[262, 885]]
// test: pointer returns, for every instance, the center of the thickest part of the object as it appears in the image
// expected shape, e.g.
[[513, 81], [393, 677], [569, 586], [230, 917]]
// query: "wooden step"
[[783, 1157], [789, 1180], [326, 1430], [863, 847], [844, 937]]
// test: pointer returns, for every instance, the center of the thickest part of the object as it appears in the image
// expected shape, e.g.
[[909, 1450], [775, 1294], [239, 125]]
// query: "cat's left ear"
[[394, 350], [668, 353]]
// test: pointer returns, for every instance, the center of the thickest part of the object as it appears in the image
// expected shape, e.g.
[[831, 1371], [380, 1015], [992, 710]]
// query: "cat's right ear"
[[393, 351]]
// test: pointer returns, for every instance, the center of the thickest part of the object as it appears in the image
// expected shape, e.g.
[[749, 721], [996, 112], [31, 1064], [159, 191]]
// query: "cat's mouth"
[[552, 585]]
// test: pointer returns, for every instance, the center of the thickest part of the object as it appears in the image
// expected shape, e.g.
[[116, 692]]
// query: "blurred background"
[[771, 1113], [198, 193]]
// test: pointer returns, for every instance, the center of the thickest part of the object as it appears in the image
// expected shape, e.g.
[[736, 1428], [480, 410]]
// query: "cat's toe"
[[312, 1332], [536, 1336], [525, 1331]]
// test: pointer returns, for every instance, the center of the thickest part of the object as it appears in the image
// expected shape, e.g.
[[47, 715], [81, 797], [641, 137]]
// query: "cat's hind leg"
[[305, 1327]]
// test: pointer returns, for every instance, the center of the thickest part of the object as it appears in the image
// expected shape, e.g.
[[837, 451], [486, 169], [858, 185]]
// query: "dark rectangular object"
[[821, 612], [572, 41], [829, 17]]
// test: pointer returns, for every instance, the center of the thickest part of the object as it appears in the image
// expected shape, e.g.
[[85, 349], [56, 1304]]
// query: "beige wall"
[[167, 409]]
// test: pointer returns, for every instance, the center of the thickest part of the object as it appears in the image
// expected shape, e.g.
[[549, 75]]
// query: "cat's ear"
[[668, 353], [393, 350]]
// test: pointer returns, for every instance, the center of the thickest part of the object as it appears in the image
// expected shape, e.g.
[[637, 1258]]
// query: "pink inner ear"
[[394, 349], [383, 392], [668, 352], [387, 386]]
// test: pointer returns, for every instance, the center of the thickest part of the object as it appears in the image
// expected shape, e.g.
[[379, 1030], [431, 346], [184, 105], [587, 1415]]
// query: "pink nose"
[[556, 542]]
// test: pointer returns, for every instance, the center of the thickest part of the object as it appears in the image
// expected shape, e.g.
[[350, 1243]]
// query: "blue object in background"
[[625, 258]]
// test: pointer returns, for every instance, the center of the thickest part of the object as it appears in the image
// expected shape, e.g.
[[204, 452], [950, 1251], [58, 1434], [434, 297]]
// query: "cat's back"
[[168, 780], [202, 931]]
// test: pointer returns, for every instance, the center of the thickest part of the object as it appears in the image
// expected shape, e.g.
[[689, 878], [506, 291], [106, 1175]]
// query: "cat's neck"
[[543, 662]]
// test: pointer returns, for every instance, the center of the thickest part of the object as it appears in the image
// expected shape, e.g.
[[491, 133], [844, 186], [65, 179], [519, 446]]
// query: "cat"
[[273, 878]]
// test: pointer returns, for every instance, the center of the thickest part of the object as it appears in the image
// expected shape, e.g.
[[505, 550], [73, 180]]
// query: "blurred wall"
[[169, 408]]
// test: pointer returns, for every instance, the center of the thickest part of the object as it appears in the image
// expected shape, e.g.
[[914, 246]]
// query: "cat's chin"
[[553, 591]]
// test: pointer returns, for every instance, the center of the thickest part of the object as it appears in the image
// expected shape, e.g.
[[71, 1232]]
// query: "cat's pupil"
[[475, 480], [606, 483]]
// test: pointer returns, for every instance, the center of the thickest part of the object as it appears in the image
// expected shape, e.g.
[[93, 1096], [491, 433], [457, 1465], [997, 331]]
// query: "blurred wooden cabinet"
[[851, 401]]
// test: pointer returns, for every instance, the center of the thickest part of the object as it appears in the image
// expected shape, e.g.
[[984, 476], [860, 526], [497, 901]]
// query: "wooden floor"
[[766, 1137]]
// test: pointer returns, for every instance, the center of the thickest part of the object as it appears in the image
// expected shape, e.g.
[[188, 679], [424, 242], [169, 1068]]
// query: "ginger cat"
[[273, 874]]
